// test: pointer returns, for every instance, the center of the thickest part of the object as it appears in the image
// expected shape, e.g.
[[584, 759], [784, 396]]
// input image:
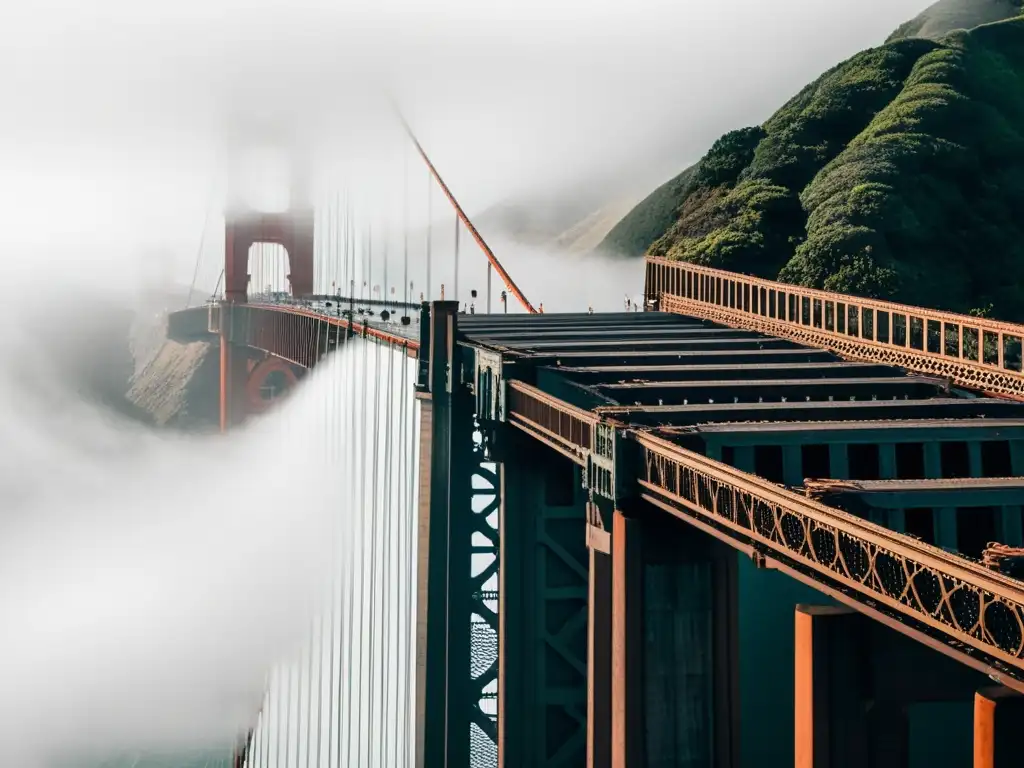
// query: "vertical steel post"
[[445, 520], [489, 270], [599, 637], [456, 284], [627, 639]]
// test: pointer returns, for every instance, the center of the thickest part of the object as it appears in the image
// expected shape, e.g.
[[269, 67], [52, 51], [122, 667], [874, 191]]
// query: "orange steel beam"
[[502, 273], [564, 427], [969, 606]]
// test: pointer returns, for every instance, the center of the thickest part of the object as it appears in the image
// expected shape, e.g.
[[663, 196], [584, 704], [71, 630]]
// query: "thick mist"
[[149, 582]]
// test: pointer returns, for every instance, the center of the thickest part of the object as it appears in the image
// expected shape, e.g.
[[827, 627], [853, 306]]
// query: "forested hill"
[[943, 17], [898, 173]]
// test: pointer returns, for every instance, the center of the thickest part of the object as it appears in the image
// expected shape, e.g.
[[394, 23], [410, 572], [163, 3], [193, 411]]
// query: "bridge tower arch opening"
[[268, 270]]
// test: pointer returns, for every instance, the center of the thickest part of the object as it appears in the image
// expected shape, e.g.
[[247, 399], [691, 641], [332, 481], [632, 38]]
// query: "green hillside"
[[650, 218], [945, 16], [899, 173]]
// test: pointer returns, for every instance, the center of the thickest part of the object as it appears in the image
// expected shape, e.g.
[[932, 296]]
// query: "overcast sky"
[[115, 110]]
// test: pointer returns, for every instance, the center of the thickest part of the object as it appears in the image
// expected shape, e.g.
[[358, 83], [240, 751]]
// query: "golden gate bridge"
[[755, 523]]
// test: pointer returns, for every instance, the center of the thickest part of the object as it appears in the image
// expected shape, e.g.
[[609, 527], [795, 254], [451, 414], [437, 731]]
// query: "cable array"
[[346, 697]]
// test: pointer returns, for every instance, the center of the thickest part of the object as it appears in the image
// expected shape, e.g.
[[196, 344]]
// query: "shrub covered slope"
[[947, 15], [898, 173]]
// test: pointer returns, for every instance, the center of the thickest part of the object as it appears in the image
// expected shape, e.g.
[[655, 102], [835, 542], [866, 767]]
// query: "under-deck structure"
[[686, 508]]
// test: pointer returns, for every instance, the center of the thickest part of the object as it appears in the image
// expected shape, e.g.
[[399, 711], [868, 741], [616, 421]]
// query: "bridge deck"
[[660, 371], [729, 421]]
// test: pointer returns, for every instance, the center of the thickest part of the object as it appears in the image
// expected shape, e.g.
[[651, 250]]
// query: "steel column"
[[998, 725], [599, 642], [829, 676], [234, 373], [627, 639], [511, 615], [544, 609], [442, 653]]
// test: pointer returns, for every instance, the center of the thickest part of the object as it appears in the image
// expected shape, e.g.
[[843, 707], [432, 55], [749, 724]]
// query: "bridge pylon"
[[293, 229], [244, 226]]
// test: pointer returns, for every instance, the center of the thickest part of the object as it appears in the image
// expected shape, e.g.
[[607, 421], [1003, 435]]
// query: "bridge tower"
[[244, 226]]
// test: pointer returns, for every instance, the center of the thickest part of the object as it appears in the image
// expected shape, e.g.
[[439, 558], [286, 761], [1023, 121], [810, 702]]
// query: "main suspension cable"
[[502, 273]]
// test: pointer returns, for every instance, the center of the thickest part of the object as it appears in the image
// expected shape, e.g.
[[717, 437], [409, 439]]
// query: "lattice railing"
[[950, 596], [971, 351], [565, 427]]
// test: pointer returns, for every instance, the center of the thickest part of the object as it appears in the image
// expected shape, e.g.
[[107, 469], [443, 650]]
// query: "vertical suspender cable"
[[347, 627], [266, 723], [348, 270], [388, 584], [352, 234], [405, 551], [398, 576], [342, 603], [331, 592], [369, 261], [309, 690], [341, 255], [360, 512], [430, 188], [318, 261], [298, 708], [332, 246], [277, 729], [405, 228], [374, 637], [455, 292], [345, 277], [201, 248]]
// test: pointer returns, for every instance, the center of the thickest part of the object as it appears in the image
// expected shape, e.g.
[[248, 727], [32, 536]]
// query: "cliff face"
[[172, 384], [899, 173], [178, 386]]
